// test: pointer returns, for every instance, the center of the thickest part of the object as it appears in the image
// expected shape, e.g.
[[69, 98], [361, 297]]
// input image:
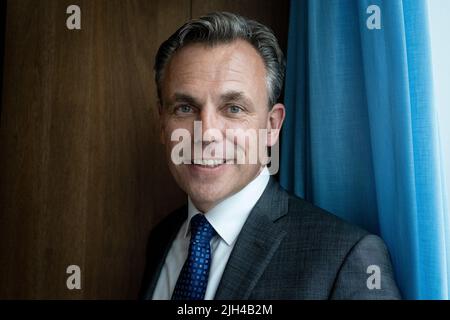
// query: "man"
[[241, 236]]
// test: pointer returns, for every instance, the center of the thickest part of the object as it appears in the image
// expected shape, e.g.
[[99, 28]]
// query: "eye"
[[234, 109], [185, 108]]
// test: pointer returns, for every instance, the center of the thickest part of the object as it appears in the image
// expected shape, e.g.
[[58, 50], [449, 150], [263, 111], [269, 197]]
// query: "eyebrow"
[[226, 97], [235, 96], [183, 97]]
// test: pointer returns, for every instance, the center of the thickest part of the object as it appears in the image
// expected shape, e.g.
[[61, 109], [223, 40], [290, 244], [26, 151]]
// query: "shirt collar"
[[228, 216]]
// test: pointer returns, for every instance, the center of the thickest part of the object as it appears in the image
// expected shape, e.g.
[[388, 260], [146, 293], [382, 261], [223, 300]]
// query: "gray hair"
[[224, 27]]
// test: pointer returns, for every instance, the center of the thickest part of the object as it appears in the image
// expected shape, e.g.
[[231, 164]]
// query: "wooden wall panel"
[[82, 174]]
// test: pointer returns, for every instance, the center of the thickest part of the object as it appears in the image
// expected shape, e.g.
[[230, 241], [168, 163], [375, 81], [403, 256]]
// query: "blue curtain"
[[360, 138]]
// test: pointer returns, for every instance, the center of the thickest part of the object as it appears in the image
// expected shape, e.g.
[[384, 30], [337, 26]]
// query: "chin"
[[206, 193], [208, 187]]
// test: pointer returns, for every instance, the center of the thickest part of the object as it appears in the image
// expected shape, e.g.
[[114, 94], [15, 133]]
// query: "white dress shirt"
[[227, 218]]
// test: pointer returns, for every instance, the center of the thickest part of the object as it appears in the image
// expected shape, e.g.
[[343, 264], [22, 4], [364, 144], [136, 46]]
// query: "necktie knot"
[[201, 230]]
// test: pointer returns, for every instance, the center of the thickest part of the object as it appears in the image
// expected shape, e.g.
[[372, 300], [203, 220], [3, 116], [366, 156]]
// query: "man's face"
[[225, 88]]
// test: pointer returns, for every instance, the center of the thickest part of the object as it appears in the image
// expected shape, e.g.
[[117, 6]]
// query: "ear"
[[162, 136], [274, 123]]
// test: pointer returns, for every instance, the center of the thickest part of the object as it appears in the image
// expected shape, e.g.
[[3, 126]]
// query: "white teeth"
[[209, 162]]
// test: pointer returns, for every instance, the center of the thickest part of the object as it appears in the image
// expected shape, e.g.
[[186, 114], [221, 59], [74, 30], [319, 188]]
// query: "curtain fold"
[[361, 138]]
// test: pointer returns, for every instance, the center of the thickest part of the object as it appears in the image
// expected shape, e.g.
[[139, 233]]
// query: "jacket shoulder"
[[321, 222], [322, 256], [173, 219]]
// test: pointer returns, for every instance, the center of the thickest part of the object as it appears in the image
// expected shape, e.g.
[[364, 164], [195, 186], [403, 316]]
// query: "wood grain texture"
[[82, 174]]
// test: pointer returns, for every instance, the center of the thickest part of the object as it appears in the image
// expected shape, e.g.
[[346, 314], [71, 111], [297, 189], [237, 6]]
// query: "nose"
[[211, 124]]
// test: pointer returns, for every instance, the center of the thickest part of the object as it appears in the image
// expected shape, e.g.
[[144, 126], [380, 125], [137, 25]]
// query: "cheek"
[[177, 129], [246, 134]]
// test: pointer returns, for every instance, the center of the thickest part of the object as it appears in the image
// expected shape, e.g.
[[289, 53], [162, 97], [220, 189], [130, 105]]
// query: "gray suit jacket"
[[288, 249]]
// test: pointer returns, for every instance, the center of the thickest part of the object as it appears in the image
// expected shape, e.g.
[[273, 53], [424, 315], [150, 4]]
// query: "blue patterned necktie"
[[193, 278]]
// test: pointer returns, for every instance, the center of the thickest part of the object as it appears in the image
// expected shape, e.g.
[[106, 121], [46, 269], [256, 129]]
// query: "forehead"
[[204, 70]]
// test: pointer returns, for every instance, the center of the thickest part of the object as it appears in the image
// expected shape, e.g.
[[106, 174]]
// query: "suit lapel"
[[163, 239], [257, 243]]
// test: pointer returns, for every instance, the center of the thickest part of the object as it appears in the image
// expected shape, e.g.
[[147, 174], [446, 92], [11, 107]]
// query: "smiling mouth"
[[211, 163]]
